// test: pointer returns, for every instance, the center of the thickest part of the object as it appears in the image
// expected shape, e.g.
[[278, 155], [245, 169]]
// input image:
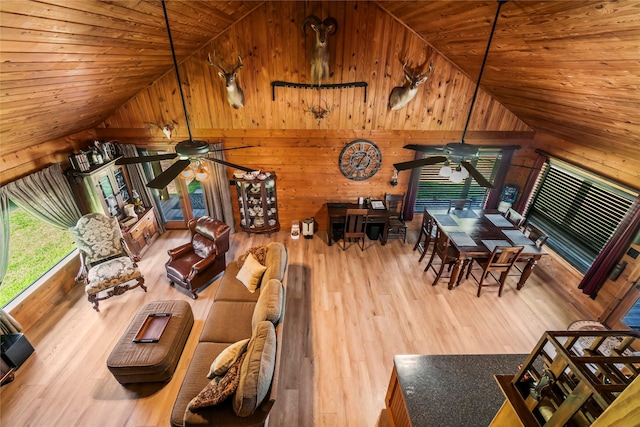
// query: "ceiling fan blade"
[[233, 165], [232, 148], [421, 148], [419, 163], [144, 159], [169, 175], [476, 175]]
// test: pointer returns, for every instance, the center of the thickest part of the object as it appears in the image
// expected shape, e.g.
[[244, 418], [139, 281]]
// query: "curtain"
[[47, 195], [216, 191], [527, 191], [612, 252], [139, 182], [9, 325], [4, 232], [412, 191], [494, 195]]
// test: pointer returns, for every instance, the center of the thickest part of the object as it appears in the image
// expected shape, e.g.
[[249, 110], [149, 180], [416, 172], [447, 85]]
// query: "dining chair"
[[397, 226], [514, 218], [355, 226], [459, 204], [501, 260], [427, 231], [447, 254], [536, 235]]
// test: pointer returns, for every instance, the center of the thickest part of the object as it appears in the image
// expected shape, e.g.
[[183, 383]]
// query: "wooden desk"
[[475, 226], [337, 212]]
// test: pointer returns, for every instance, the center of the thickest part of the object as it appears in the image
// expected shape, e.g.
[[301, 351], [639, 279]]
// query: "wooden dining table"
[[475, 233]]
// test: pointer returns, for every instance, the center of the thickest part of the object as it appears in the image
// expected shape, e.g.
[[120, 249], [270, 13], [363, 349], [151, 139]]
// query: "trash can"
[[373, 232]]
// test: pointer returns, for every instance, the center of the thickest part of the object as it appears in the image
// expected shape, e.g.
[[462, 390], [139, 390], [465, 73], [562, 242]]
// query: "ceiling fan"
[[457, 153], [188, 150]]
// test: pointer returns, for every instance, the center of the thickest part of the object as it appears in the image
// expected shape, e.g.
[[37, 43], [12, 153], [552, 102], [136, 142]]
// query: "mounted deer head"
[[235, 95], [320, 51], [167, 128], [401, 95]]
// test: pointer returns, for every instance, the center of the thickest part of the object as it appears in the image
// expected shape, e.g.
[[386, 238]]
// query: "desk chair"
[[355, 226], [459, 204], [501, 260], [397, 226], [514, 218], [428, 230], [447, 254]]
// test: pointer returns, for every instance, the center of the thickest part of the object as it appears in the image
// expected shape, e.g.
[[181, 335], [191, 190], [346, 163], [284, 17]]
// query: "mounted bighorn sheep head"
[[235, 95], [320, 51], [401, 95]]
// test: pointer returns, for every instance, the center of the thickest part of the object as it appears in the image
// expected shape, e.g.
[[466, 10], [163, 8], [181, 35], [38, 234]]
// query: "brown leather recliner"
[[195, 264]]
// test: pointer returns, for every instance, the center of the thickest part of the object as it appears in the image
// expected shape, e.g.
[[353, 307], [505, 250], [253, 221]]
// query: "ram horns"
[[315, 20]]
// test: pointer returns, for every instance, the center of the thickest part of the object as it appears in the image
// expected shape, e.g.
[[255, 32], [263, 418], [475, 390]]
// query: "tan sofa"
[[237, 314]]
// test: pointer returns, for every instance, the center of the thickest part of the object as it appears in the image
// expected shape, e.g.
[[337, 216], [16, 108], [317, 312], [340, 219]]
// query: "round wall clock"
[[360, 159]]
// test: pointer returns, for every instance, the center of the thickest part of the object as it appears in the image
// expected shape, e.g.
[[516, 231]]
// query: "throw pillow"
[[218, 388], [259, 252], [257, 370], [226, 358], [270, 304], [251, 273]]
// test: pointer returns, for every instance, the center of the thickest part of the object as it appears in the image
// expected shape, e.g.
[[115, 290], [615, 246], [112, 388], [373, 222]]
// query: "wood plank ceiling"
[[566, 68]]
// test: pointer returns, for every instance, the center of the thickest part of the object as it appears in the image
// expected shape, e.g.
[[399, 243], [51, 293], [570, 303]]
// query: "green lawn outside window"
[[34, 248]]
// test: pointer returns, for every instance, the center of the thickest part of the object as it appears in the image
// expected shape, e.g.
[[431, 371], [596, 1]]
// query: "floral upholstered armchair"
[[106, 267]]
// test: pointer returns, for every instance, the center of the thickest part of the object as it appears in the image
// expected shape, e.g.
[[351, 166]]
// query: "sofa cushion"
[[269, 305], [196, 379], [276, 262], [228, 322], [259, 252], [256, 371], [231, 289], [219, 388], [251, 273], [228, 357]]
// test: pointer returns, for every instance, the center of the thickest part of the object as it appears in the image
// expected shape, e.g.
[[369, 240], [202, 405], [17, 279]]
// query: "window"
[[435, 191], [35, 247], [578, 210]]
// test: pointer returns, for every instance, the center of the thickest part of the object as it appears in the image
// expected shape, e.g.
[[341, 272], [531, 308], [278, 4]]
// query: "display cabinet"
[[105, 189], [258, 202], [570, 378]]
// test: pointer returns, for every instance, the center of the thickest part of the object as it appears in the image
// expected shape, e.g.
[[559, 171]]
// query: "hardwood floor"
[[347, 314]]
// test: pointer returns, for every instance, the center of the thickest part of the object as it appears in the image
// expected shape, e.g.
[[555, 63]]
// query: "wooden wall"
[[368, 46]]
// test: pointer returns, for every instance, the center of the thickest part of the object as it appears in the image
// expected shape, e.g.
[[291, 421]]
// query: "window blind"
[[578, 210], [435, 191]]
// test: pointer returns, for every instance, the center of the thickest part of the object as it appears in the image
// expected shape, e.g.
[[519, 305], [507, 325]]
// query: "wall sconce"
[[394, 178]]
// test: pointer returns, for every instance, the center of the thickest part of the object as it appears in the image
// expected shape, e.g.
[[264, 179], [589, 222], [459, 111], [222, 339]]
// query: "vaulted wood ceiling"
[[566, 68]]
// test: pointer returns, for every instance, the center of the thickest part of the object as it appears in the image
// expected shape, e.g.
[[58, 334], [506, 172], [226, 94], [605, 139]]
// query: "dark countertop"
[[453, 390]]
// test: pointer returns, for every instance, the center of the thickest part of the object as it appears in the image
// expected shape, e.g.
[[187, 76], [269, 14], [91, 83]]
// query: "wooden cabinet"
[[141, 234], [258, 203], [105, 189], [570, 378]]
